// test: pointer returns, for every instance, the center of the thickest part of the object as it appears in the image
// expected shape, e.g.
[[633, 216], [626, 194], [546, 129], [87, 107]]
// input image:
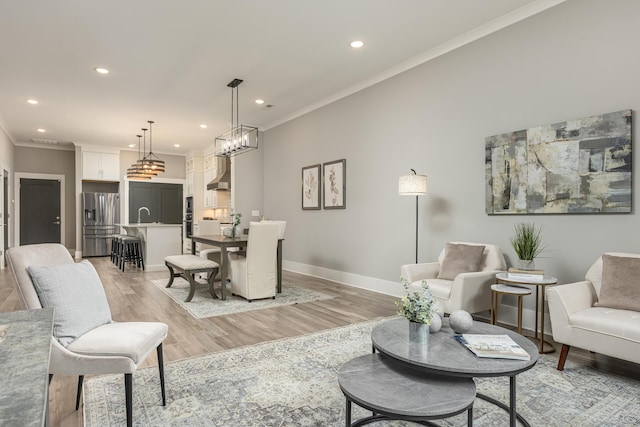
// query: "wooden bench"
[[186, 266]]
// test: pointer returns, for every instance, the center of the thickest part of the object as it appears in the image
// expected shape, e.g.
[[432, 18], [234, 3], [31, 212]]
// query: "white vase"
[[418, 332]]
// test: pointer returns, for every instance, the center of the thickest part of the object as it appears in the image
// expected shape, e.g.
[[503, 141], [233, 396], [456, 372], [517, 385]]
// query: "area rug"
[[203, 305], [293, 382]]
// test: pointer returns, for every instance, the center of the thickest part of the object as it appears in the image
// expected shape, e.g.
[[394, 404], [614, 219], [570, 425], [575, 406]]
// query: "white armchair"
[[470, 291], [578, 321], [254, 276], [78, 346]]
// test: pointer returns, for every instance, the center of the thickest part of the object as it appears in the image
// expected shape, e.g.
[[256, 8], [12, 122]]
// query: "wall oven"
[[188, 217]]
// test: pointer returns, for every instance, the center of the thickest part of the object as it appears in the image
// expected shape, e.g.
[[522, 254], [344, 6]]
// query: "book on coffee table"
[[525, 275], [493, 346]]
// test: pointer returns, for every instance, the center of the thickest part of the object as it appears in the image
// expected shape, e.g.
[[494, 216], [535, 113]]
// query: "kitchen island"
[[158, 241]]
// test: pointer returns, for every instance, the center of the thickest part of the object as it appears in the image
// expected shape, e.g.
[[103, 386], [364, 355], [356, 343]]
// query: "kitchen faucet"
[[146, 209]]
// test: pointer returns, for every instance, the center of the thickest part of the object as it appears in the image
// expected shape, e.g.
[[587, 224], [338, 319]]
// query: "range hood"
[[222, 181]]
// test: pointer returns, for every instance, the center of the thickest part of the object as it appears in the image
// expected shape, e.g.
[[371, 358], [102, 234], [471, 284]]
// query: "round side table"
[[497, 291]]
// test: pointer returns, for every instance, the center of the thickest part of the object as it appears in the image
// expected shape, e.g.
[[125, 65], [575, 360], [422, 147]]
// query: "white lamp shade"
[[412, 185]]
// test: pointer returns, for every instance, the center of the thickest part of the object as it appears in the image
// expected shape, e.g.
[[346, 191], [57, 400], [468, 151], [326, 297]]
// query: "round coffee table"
[[444, 355], [393, 390]]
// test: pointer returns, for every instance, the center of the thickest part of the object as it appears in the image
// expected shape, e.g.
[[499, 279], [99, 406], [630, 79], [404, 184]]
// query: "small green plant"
[[237, 218], [527, 241], [415, 305]]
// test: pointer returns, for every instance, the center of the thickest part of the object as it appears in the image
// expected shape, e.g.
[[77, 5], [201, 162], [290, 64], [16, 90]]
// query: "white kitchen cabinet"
[[100, 166], [189, 185]]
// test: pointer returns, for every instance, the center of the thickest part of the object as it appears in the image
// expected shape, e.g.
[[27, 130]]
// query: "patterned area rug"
[[203, 305], [293, 382]]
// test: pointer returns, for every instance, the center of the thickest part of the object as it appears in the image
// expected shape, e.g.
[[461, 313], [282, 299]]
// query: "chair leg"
[[50, 378], [192, 285], [563, 356], [161, 370], [80, 380], [172, 274], [128, 391]]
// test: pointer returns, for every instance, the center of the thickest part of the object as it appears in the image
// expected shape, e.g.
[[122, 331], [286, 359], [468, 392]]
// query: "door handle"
[[56, 222]]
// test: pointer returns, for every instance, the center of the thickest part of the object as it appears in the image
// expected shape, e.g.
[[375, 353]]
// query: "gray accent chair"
[[112, 348]]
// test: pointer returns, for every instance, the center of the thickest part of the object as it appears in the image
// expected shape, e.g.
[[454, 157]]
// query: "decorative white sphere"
[[437, 307], [436, 324], [460, 321]]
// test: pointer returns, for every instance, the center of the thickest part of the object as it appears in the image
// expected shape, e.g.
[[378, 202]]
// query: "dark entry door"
[[39, 211]]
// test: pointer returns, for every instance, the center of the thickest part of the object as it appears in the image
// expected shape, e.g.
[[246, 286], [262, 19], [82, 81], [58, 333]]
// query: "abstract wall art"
[[576, 166]]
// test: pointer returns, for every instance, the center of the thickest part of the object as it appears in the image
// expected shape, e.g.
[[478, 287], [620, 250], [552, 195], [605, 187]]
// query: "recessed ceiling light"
[[176, 145], [131, 145], [32, 101], [203, 126], [357, 44], [102, 70], [41, 130], [259, 101]]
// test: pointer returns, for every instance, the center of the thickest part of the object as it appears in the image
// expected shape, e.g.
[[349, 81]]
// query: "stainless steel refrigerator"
[[100, 214]]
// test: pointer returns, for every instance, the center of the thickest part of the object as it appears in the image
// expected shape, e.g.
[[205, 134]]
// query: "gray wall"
[[572, 61], [248, 180], [58, 162], [7, 153]]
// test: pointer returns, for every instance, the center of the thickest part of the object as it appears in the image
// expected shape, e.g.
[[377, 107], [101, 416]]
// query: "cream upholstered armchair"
[[85, 338], [601, 313], [254, 276], [461, 279]]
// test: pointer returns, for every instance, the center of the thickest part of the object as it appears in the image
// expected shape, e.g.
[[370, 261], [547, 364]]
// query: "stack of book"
[[493, 346], [525, 275]]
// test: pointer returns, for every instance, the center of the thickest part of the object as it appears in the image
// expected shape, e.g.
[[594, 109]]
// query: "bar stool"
[[131, 251], [496, 293], [116, 242]]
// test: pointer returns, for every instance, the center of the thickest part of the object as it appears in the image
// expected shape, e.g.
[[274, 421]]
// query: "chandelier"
[[149, 165], [136, 171], [241, 138]]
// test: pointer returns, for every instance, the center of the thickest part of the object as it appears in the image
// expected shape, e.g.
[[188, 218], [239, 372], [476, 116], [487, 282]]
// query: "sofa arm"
[[472, 291], [564, 300], [415, 272]]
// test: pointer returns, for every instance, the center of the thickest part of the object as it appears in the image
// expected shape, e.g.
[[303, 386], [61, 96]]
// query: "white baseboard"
[[507, 314], [355, 280]]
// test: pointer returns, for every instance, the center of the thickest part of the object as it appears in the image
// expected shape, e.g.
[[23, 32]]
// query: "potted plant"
[[527, 243], [237, 218], [416, 306]]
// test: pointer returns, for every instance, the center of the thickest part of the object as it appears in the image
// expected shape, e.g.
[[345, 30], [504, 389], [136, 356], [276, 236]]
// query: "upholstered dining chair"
[[254, 276], [209, 227], [86, 341], [462, 276]]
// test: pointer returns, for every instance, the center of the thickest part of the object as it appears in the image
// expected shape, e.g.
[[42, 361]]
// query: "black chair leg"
[[50, 378], [161, 370], [80, 380], [128, 391]]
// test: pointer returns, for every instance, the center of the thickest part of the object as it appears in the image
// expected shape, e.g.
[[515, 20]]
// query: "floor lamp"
[[413, 185]]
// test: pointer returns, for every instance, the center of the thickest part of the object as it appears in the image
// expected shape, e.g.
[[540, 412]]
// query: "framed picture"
[[334, 179], [311, 187], [578, 166]]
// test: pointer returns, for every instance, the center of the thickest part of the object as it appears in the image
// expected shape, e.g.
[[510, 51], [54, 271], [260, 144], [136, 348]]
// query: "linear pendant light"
[[241, 138]]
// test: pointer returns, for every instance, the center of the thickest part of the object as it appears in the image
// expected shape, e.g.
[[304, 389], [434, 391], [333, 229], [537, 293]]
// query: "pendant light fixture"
[[152, 163], [135, 171], [241, 138]]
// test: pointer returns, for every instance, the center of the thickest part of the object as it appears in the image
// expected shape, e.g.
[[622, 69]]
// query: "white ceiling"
[[170, 60]]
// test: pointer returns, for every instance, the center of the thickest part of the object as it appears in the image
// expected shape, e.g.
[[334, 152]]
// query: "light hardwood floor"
[[133, 297]]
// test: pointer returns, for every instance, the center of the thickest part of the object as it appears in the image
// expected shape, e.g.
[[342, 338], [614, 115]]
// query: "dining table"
[[224, 243]]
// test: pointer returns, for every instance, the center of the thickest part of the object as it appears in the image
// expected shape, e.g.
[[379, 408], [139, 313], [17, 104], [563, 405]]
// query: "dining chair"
[[253, 276], [85, 341], [209, 227]]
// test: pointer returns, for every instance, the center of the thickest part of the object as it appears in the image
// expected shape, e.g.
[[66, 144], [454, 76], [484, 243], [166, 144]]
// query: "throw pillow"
[[620, 283], [460, 258], [77, 296]]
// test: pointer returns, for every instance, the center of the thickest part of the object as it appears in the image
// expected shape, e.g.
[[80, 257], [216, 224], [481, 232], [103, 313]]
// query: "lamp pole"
[[413, 185]]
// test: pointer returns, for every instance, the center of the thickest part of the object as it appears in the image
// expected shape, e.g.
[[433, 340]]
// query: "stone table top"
[[24, 367], [444, 355], [388, 387]]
